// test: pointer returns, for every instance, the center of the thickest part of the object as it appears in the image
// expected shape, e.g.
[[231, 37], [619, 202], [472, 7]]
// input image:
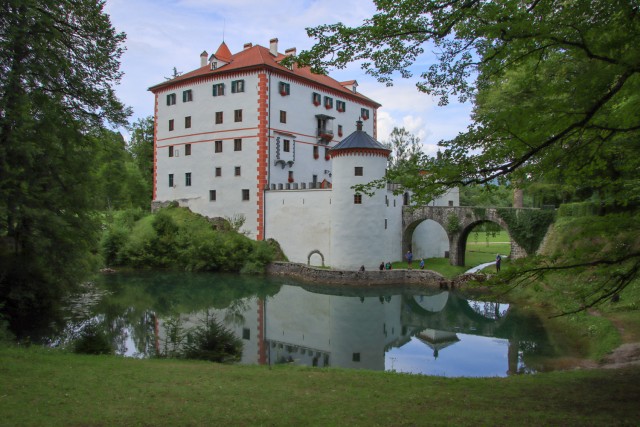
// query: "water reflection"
[[285, 322]]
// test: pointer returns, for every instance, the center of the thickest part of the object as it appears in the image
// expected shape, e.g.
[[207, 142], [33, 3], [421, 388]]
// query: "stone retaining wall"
[[304, 272]]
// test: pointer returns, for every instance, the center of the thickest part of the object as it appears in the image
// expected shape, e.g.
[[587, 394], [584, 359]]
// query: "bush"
[[175, 237], [213, 342], [93, 341]]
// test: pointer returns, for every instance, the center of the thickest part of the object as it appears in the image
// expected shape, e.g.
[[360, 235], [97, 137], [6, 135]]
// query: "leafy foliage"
[[93, 341], [212, 341], [555, 87], [175, 237], [59, 61], [527, 227]]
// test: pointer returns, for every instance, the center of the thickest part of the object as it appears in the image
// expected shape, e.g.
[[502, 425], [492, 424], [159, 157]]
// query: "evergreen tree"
[[59, 62]]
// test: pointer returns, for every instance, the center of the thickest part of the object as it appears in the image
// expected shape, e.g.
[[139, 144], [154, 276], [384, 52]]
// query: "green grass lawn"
[[479, 251], [50, 388]]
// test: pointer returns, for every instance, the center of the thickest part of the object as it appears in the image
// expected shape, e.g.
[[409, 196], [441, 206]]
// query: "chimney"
[[248, 45], [359, 125], [273, 47], [203, 58], [290, 51]]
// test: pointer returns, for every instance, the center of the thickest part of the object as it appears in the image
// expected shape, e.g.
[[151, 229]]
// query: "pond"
[[392, 328]]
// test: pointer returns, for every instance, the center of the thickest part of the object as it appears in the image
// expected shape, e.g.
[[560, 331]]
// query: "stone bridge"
[[457, 222]]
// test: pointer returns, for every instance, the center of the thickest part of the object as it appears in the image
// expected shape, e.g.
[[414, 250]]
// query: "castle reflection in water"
[[368, 329]]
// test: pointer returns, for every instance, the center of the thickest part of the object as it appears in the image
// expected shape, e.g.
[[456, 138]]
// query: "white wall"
[[203, 159], [358, 235], [301, 222]]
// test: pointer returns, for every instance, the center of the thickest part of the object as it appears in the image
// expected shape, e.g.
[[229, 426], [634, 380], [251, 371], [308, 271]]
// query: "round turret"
[[358, 220]]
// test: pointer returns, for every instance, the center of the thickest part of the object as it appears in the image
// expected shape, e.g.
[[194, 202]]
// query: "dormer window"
[[214, 65]]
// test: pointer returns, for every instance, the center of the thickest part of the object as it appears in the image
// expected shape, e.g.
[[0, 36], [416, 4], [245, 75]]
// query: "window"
[[171, 151], [357, 199], [290, 178], [218, 89], [385, 223], [170, 180], [364, 113], [339, 130], [284, 88], [171, 99], [237, 86], [316, 153], [187, 179], [316, 99], [328, 102], [237, 171], [237, 115], [283, 116], [212, 195], [246, 333], [245, 194], [187, 122], [187, 149], [218, 171], [355, 357], [218, 148], [286, 146], [218, 117], [237, 144], [341, 106], [187, 95], [171, 125], [358, 171]]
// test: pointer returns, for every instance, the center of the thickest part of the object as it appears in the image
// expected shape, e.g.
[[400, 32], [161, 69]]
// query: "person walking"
[[498, 262], [409, 257]]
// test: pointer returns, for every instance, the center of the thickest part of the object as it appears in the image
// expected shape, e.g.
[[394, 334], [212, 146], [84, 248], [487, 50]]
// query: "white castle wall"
[[300, 129], [358, 234], [301, 222], [203, 159], [429, 239]]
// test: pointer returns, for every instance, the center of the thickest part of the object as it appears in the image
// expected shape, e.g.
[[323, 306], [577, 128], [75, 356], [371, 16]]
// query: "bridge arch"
[[458, 222]]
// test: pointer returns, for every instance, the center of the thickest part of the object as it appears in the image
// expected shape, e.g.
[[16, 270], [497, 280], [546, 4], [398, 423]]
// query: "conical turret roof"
[[223, 53], [360, 141]]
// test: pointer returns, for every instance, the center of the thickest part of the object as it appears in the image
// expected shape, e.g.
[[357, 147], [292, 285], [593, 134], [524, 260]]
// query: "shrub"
[[93, 341], [212, 342]]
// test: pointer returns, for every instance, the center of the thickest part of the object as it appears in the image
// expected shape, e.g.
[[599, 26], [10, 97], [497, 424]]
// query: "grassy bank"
[[49, 388]]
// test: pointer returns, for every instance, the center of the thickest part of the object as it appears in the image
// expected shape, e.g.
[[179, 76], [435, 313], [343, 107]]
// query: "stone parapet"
[[426, 278]]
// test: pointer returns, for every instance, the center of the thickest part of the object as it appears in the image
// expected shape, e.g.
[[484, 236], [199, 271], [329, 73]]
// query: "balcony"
[[324, 135]]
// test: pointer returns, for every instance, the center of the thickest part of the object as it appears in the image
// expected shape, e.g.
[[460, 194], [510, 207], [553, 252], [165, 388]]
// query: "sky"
[[163, 34]]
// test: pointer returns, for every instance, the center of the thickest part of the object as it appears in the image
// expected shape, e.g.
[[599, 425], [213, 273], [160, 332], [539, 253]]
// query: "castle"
[[245, 135]]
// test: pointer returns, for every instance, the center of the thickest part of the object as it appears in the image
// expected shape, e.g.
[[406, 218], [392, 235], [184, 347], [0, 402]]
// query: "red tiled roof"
[[257, 57], [223, 53]]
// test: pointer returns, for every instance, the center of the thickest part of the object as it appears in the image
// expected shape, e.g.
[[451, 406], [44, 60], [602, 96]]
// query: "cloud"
[[162, 34]]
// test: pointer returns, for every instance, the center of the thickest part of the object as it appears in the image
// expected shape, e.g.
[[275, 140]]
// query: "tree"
[[141, 147], [405, 148], [557, 84], [555, 87], [59, 61]]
